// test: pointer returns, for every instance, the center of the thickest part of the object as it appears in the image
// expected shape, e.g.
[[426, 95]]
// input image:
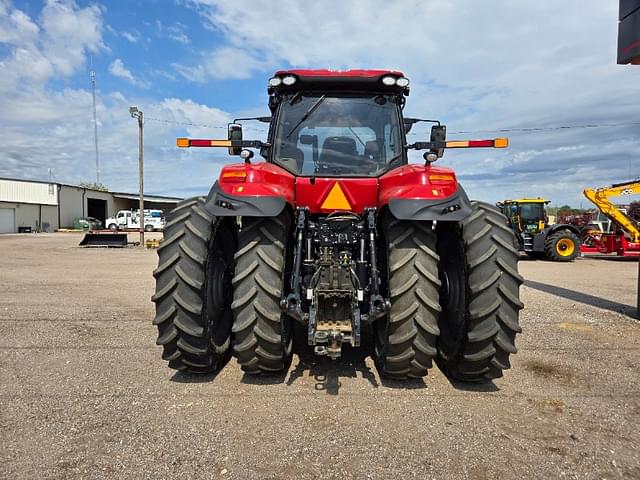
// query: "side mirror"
[[438, 134], [235, 133]]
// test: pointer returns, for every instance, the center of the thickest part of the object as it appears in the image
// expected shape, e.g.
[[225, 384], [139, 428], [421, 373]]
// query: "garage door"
[[7, 220]]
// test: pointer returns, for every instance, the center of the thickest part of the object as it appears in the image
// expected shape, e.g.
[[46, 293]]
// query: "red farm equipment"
[[336, 230], [624, 239]]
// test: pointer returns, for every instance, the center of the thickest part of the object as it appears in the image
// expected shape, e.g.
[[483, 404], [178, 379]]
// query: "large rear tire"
[[262, 333], [562, 246], [406, 339], [479, 295], [193, 288]]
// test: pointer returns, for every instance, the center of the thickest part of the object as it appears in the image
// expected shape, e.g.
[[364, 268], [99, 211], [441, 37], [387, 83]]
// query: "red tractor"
[[335, 230]]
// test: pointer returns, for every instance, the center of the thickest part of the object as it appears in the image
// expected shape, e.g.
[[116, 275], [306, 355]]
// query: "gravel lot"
[[84, 393]]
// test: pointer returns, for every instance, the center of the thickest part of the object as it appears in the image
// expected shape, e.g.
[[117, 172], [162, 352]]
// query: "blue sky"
[[475, 65]]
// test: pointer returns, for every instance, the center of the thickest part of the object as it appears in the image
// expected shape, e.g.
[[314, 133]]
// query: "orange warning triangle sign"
[[336, 200]]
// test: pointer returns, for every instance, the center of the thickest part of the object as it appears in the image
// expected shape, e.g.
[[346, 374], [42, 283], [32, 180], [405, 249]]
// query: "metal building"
[[29, 205]]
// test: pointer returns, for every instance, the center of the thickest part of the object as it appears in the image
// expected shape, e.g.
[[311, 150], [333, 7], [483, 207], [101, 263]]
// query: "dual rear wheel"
[[454, 297], [218, 290], [193, 289]]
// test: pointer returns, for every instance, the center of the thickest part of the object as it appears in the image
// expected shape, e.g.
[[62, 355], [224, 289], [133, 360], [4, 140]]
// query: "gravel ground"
[[84, 393]]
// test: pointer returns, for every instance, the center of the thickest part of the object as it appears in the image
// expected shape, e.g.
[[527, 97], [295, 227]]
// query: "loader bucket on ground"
[[104, 240]]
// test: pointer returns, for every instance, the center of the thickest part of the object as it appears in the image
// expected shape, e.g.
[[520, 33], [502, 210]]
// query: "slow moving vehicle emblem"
[[336, 200]]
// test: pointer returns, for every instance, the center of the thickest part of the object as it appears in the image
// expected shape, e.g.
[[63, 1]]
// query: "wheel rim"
[[565, 247], [219, 287], [453, 294], [452, 298]]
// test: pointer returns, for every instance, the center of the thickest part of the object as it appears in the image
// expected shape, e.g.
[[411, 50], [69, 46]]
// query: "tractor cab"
[[526, 215], [340, 124]]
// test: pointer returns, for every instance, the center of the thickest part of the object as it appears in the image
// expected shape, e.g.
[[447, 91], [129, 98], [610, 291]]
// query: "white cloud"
[[69, 32], [130, 37], [189, 112], [475, 65], [46, 129], [52, 128], [117, 68], [16, 27], [57, 45], [224, 62], [174, 32]]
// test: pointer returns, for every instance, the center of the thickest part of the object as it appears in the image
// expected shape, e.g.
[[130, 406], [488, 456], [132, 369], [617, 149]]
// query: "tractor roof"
[[323, 79], [340, 73]]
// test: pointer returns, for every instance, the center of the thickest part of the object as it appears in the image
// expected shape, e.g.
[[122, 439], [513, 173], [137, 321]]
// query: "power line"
[[161, 120], [188, 124], [545, 129], [497, 130]]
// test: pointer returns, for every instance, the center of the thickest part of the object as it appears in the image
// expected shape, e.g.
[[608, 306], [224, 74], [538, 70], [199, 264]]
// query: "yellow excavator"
[[616, 241], [528, 220]]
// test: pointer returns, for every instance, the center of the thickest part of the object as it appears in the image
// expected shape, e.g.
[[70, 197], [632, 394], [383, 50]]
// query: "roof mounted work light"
[[388, 80], [289, 80]]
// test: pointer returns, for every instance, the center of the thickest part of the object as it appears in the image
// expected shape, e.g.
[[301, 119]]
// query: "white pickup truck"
[[153, 220]]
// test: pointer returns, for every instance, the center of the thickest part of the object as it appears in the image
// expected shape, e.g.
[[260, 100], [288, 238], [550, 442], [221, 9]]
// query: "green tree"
[[94, 186], [565, 210]]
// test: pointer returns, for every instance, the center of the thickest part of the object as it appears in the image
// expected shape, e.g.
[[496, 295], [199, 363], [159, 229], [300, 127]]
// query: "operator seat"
[[371, 156], [338, 152], [372, 151]]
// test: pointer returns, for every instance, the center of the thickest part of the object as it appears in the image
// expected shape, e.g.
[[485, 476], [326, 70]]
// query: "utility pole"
[[135, 113], [92, 76]]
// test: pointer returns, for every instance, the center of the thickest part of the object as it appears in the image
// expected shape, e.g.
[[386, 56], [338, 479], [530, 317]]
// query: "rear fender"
[[251, 190], [551, 229], [424, 193]]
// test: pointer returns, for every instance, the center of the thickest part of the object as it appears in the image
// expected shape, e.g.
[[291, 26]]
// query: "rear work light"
[[388, 80], [289, 80]]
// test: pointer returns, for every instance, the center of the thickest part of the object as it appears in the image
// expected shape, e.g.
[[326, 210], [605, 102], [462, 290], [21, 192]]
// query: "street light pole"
[[135, 113]]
